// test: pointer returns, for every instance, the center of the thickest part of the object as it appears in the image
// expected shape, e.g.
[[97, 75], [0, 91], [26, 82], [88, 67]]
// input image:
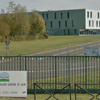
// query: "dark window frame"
[[55, 15], [87, 14], [65, 23], [90, 14], [51, 24], [59, 24], [67, 14]]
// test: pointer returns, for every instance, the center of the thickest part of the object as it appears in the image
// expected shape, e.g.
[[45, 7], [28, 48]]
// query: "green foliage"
[[37, 24], [46, 36]]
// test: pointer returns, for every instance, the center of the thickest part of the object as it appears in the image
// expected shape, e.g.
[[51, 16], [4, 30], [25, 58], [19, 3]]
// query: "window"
[[72, 23], [59, 23], [47, 16], [98, 14], [55, 15], [96, 23], [89, 23], [51, 23], [99, 23], [68, 32], [43, 15], [67, 14], [64, 31], [92, 23], [87, 14], [75, 31], [61, 15], [65, 23], [90, 14]]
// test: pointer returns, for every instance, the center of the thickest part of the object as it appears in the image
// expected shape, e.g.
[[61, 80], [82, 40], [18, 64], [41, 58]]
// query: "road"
[[40, 68]]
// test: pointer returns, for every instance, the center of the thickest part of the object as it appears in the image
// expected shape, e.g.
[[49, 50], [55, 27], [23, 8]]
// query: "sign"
[[13, 83], [91, 51], [7, 43]]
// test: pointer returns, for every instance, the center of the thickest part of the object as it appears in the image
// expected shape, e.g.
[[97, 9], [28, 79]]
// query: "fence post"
[[55, 76], [20, 62], [25, 64], [86, 72], [69, 68]]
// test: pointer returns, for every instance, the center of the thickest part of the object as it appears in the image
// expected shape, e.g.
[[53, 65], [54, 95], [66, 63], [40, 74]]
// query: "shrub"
[[46, 36]]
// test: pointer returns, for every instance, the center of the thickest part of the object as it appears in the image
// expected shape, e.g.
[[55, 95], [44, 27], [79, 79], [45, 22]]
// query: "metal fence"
[[55, 69]]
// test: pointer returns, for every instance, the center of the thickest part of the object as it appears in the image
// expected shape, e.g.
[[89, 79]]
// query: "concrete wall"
[[94, 18]]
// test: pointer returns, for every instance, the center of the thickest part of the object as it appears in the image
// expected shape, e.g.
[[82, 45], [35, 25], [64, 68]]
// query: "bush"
[[29, 38], [46, 36]]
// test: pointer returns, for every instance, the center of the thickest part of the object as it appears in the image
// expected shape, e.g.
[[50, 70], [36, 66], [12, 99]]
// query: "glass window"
[[51, 23], [67, 14], [72, 23], [87, 14], [68, 32], [92, 23], [43, 15], [64, 31], [96, 23], [59, 23], [65, 23], [89, 23], [99, 23], [55, 15], [98, 15], [61, 15], [47, 16], [75, 31], [90, 14]]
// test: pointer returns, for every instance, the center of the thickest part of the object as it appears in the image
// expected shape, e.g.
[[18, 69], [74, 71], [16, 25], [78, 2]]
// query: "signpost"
[[91, 51], [7, 46], [13, 83]]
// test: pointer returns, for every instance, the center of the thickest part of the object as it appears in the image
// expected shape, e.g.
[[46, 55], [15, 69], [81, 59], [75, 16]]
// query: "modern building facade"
[[72, 22]]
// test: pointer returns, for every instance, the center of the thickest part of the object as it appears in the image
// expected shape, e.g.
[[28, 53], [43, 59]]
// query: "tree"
[[20, 20], [4, 28], [37, 24]]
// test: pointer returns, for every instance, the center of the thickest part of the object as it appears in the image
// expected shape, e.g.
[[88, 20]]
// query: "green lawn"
[[28, 47], [59, 96]]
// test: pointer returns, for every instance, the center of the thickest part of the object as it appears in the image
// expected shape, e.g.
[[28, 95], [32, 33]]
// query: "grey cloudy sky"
[[44, 5]]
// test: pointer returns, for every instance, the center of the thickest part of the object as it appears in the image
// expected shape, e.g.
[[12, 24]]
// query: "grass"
[[59, 96], [53, 42]]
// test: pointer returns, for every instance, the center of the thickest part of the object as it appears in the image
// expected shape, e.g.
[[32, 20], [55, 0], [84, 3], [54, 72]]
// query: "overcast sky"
[[44, 5]]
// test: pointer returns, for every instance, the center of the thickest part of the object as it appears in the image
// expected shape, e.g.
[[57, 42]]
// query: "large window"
[[55, 15], [87, 14], [51, 23], [90, 14], [96, 23], [65, 23], [61, 15], [67, 14], [92, 23], [59, 24], [89, 23], [98, 14]]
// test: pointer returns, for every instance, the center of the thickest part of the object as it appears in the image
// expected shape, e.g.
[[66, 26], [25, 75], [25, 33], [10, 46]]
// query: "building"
[[72, 22]]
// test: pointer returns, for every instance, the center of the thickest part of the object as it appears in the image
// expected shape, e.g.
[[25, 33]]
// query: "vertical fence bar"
[[85, 72], [55, 76], [69, 67], [20, 62]]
